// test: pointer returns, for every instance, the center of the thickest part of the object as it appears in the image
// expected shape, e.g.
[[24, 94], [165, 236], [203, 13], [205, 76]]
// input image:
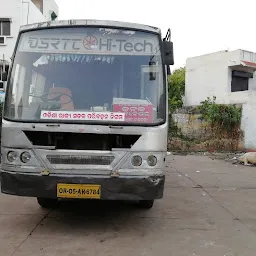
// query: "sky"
[[198, 26]]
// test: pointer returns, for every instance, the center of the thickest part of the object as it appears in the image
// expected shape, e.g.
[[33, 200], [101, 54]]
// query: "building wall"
[[37, 3], [249, 124], [210, 75], [22, 12], [197, 135], [191, 126], [11, 9], [30, 13], [207, 76]]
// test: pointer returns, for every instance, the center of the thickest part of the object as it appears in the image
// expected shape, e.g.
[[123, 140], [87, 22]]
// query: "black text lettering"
[[55, 43], [138, 47], [33, 42], [121, 44], [43, 43], [148, 46], [104, 45], [65, 43], [128, 47], [74, 47]]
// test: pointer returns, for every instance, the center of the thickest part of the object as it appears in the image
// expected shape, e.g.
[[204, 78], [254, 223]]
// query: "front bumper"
[[112, 188]]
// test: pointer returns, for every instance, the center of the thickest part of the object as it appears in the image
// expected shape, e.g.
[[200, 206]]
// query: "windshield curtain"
[[87, 75]]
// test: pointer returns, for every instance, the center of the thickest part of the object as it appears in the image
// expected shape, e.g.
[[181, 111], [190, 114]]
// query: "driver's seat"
[[65, 100]]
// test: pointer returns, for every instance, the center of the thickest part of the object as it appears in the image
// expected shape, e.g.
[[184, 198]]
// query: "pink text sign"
[[135, 112]]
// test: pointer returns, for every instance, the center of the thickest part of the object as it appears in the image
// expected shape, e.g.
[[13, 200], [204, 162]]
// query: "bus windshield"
[[87, 74]]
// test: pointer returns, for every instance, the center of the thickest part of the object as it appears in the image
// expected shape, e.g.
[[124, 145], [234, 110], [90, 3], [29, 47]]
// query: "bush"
[[176, 87], [222, 118]]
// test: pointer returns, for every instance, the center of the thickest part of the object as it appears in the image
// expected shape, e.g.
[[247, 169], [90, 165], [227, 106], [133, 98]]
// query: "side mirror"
[[168, 52], [4, 76]]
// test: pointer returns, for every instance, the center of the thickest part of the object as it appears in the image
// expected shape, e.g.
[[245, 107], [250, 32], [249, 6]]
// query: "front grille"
[[80, 160], [81, 141]]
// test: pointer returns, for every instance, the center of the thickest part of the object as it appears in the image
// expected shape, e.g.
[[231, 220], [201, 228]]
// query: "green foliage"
[[176, 87], [225, 118]]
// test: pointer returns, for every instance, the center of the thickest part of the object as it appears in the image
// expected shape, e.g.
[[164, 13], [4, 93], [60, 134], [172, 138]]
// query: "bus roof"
[[104, 23]]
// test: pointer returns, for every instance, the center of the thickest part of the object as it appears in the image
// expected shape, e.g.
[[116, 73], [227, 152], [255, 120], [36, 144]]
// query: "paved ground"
[[209, 209]]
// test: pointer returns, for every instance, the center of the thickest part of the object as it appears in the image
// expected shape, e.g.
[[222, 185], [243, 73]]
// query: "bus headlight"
[[136, 161], [25, 157], [12, 156], [152, 160]]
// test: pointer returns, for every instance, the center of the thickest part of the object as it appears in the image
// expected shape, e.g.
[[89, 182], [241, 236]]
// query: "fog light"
[[152, 160], [11, 156], [136, 161], [25, 157]]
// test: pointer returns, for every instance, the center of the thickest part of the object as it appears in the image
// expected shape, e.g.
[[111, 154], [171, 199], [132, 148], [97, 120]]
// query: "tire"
[[47, 203], [146, 204]]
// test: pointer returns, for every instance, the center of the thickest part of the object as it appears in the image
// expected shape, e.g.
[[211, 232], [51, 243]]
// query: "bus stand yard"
[[208, 205], [208, 209]]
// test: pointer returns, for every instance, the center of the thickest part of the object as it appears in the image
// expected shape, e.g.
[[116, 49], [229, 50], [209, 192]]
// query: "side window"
[[5, 27], [5, 30]]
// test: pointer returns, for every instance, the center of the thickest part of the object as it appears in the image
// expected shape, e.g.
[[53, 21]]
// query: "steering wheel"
[[45, 97]]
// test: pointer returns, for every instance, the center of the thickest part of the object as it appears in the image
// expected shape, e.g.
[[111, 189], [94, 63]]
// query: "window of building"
[[5, 27], [240, 81], [2, 41]]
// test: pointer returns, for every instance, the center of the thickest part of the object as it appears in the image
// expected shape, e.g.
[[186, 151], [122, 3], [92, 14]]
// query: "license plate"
[[78, 191]]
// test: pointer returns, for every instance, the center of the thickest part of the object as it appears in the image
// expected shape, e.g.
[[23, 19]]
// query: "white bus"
[[86, 112]]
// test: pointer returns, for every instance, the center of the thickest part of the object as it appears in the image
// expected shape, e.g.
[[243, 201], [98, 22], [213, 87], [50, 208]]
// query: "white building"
[[15, 13], [231, 77], [227, 75]]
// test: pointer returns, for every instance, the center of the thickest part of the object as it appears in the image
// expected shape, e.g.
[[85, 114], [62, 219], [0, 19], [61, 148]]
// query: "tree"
[[176, 86]]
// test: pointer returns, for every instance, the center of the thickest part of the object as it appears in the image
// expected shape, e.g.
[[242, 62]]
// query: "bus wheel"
[[146, 204], [47, 202]]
